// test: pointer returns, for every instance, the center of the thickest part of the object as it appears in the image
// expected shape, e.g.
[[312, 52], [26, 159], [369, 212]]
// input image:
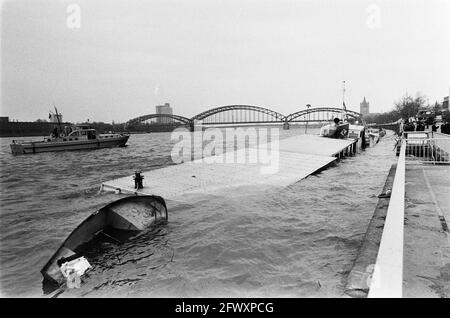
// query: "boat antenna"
[[343, 100], [57, 118]]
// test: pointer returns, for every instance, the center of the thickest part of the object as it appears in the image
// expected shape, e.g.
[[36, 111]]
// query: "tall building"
[[445, 103], [364, 107], [164, 109]]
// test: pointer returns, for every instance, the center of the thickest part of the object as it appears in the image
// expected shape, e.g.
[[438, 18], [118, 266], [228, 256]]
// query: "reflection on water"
[[299, 241]]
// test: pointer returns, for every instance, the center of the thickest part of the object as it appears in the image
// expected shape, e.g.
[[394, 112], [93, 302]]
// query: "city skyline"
[[123, 59]]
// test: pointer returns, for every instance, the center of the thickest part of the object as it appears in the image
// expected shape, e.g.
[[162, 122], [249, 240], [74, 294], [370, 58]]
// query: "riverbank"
[[426, 235], [359, 278], [28, 129], [37, 129]]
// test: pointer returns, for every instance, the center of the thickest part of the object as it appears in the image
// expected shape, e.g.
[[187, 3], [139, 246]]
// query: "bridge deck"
[[298, 157]]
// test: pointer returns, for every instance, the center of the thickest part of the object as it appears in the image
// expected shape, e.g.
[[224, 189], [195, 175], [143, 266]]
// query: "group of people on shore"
[[421, 125]]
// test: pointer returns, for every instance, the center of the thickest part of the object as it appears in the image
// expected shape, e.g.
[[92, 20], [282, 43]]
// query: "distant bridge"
[[321, 114], [248, 114], [233, 114], [168, 118]]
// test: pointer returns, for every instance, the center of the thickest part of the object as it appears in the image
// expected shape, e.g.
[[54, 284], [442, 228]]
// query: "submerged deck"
[[296, 158]]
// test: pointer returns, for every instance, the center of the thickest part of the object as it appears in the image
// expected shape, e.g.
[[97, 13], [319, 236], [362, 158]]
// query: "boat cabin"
[[83, 134], [356, 131], [72, 133]]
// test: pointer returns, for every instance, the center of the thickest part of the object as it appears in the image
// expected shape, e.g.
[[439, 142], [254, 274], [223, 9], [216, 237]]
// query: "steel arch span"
[[320, 114], [182, 119], [270, 114]]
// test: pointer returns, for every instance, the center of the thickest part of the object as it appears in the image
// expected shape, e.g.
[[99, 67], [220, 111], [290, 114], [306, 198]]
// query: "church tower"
[[364, 107]]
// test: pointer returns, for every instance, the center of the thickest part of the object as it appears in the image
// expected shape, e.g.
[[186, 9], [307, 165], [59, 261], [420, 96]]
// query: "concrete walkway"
[[426, 235]]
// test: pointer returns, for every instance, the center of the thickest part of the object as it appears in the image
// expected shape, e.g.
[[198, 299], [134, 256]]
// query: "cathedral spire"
[[364, 107]]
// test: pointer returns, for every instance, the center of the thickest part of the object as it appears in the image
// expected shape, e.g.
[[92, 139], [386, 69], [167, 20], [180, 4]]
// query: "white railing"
[[387, 279], [442, 141], [427, 147]]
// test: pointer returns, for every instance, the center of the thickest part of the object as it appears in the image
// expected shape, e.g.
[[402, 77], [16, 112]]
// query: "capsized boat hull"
[[127, 216], [18, 148]]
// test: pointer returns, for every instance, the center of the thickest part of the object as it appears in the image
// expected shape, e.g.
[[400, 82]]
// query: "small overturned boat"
[[77, 137], [116, 222]]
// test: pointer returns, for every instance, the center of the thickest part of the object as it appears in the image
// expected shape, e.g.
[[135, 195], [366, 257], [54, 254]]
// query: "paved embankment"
[[426, 271], [426, 251]]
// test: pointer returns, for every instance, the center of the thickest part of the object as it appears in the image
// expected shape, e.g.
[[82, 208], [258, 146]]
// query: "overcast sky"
[[128, 56]]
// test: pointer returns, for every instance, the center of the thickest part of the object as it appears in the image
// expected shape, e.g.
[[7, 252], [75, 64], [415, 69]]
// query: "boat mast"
[[57, 118], [343, 102]]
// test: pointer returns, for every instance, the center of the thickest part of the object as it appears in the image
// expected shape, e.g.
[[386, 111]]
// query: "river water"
[[299, 241]]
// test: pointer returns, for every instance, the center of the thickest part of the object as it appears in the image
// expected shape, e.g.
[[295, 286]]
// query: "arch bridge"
[[248, 114], [233, 114], [321, 114], [160, 119]]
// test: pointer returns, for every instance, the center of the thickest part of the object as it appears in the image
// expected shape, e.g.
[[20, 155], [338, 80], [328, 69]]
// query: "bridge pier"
[[285, 125]]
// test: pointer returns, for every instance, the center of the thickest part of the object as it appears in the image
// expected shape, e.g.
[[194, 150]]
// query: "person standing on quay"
[[434, 127]]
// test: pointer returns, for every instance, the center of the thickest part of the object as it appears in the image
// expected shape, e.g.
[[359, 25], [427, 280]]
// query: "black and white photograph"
[[224, 153]]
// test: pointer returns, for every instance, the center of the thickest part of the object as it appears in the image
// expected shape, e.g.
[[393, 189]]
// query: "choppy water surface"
[[299, 241]]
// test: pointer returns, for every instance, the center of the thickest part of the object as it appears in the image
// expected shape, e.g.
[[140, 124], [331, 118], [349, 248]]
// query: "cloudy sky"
[[128, 56]]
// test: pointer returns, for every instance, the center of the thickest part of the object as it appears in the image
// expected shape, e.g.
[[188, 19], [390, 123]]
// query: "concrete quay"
[[426, 271], [411, 257]]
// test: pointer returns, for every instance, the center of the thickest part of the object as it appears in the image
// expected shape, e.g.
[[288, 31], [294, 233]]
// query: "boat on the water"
[[358, 132], [337, 129], [374, 134], [77, 137], [117, 222]]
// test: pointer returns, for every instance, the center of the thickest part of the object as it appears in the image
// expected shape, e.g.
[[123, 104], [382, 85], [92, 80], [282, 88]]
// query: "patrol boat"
[[77, 137]]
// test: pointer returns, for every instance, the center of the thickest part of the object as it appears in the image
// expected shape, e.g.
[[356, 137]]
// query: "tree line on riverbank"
[[42, 127], [407, 107]]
